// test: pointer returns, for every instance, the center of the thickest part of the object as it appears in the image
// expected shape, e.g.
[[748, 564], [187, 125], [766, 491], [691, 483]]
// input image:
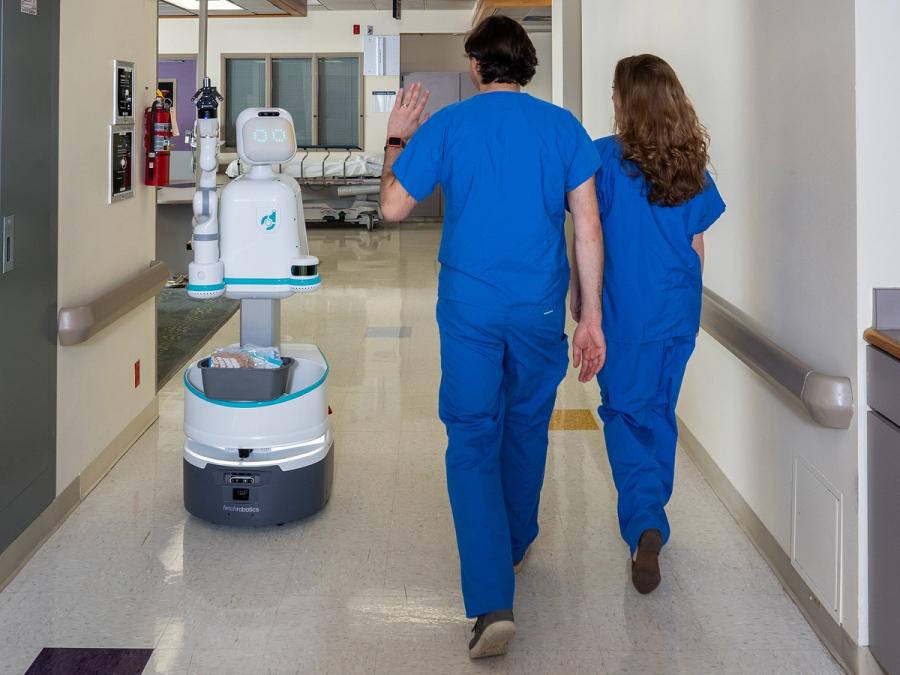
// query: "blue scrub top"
[[652, 285], [505, 161]]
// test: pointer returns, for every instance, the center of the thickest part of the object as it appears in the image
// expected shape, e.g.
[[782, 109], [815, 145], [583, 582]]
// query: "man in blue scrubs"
[[508, 164]]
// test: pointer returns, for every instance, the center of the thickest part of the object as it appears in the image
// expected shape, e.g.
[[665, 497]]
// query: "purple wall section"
[[185, 75]]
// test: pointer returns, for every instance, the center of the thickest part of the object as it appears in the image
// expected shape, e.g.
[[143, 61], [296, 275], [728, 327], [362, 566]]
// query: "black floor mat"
[[183, 325]]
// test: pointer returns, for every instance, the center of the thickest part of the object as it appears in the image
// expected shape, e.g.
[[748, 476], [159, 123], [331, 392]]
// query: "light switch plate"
[[8, 260]]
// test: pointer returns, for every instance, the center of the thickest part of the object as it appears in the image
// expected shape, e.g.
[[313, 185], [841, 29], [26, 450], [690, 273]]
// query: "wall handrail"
[[828, 399], [79, 323]]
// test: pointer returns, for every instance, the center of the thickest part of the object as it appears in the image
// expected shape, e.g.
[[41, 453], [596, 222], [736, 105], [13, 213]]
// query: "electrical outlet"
[[137, 373]]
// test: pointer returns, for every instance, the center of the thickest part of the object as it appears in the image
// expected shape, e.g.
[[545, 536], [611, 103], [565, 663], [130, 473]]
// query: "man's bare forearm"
[[387, 173], [588, 260], [588, 245]]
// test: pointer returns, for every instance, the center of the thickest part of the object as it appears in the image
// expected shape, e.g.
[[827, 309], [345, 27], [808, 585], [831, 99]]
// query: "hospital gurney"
[[337, 185]]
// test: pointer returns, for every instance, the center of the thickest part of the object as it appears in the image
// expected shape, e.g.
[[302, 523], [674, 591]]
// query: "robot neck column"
[[261, 322], [260, 171]]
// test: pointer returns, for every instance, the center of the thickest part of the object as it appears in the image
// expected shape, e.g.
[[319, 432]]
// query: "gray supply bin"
[[246, 384]]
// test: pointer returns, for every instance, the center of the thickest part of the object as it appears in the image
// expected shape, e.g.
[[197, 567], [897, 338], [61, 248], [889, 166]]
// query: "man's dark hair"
[[503, 50]]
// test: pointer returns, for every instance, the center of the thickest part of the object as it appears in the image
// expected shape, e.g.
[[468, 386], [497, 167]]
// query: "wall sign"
[[28, 7], [384, 100], [123, 86], [121, 166]]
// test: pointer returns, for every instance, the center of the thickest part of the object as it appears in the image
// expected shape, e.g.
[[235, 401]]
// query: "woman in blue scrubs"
[[656, 200]]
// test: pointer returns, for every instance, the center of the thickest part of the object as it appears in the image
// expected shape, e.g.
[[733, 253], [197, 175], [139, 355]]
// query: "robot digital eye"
[[270, 113]]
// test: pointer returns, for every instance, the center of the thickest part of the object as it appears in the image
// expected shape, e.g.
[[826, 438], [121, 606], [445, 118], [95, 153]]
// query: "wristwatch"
[[394, 142]]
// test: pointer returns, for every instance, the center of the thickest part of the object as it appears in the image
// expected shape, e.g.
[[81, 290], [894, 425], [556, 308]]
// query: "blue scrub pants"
[[639, 386], [500, 371]]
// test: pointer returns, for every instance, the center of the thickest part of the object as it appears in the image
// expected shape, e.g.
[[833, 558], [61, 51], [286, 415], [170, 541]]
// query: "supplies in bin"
[[246, 374], [248, 356]]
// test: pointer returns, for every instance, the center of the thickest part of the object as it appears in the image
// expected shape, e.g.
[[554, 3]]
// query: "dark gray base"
[[275, 496], [884, 545]]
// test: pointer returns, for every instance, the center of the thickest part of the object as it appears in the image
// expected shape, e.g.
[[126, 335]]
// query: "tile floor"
[[370, 585]]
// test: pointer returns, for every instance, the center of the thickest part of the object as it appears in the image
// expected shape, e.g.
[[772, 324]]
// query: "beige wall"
[[541, 86], [446, 53], [774, 81], [319, 32], [566, 55], [433, 52], [101, 244]]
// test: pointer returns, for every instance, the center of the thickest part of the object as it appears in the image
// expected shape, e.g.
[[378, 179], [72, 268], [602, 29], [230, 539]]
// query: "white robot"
[[255, 462]]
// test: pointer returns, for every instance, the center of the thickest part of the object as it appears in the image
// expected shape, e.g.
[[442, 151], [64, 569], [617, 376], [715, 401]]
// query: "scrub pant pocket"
[[639, 387], [500, 372]]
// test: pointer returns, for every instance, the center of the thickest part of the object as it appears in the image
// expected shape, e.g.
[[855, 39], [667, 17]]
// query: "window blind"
[[292, 90], [338, 120], [245, 87]]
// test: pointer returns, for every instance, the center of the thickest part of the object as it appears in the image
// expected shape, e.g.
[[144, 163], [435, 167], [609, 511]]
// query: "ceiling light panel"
[[214, 5]]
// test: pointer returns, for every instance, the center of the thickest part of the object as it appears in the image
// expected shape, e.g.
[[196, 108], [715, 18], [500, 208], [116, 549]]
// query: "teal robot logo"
[[269, 221]]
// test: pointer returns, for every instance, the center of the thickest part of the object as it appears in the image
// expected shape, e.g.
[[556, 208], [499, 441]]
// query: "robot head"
[[265, 136]]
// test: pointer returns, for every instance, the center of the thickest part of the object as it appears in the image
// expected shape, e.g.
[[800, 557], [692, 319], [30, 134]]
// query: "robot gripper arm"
[[206, 274]]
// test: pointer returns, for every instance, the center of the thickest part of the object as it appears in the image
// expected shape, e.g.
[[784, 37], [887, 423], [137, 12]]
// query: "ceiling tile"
[[166, 9], [258, 6], [344, 5], [449, 4]]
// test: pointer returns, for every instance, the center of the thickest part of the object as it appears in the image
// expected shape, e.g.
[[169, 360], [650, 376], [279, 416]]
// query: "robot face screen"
[[267, 140]]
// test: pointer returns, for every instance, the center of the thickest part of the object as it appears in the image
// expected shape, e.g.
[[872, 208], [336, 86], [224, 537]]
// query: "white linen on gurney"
[[356, 166]]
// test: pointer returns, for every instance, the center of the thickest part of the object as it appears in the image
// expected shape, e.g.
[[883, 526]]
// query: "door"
[[443, 90], [179, 74], [29, 73]]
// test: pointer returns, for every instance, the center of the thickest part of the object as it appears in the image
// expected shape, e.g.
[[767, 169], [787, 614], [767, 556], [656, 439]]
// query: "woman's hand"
[[408, 113]]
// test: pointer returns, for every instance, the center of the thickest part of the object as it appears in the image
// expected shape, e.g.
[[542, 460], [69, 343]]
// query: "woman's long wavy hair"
[[659, 130]]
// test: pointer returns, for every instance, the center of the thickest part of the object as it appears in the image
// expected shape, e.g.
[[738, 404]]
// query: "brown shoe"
[[645, 573]]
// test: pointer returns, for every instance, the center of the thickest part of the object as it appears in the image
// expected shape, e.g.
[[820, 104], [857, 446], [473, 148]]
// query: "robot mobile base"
[[260, 463]]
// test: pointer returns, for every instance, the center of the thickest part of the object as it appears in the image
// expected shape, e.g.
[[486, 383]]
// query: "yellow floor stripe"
[[573, 419]]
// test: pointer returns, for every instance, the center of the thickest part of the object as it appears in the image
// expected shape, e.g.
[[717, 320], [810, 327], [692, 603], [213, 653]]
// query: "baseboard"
[[852, 657], [113, 452], [17, 554]]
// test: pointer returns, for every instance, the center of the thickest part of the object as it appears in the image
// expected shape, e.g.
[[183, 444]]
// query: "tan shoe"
[[492, 634], [517, 566]]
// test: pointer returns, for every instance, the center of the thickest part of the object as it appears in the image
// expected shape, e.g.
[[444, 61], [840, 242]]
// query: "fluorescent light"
[[194, 5]]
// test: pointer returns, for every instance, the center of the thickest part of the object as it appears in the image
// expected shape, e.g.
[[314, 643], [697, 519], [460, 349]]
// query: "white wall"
[[566, 55], [100, 244], [877, 23], [541, 86], [774, 83], [319, 32]]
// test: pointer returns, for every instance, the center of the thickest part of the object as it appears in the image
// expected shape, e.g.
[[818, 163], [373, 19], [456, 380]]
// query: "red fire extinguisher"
[[157, 144]]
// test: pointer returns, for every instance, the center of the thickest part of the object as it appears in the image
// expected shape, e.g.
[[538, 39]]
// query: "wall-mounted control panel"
[[8, 261]]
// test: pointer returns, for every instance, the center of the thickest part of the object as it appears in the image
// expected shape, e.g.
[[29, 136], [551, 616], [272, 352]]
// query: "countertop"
[[886, 340]]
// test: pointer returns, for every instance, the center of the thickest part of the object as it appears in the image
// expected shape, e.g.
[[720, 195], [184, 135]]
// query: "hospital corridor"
[[449, 336]]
